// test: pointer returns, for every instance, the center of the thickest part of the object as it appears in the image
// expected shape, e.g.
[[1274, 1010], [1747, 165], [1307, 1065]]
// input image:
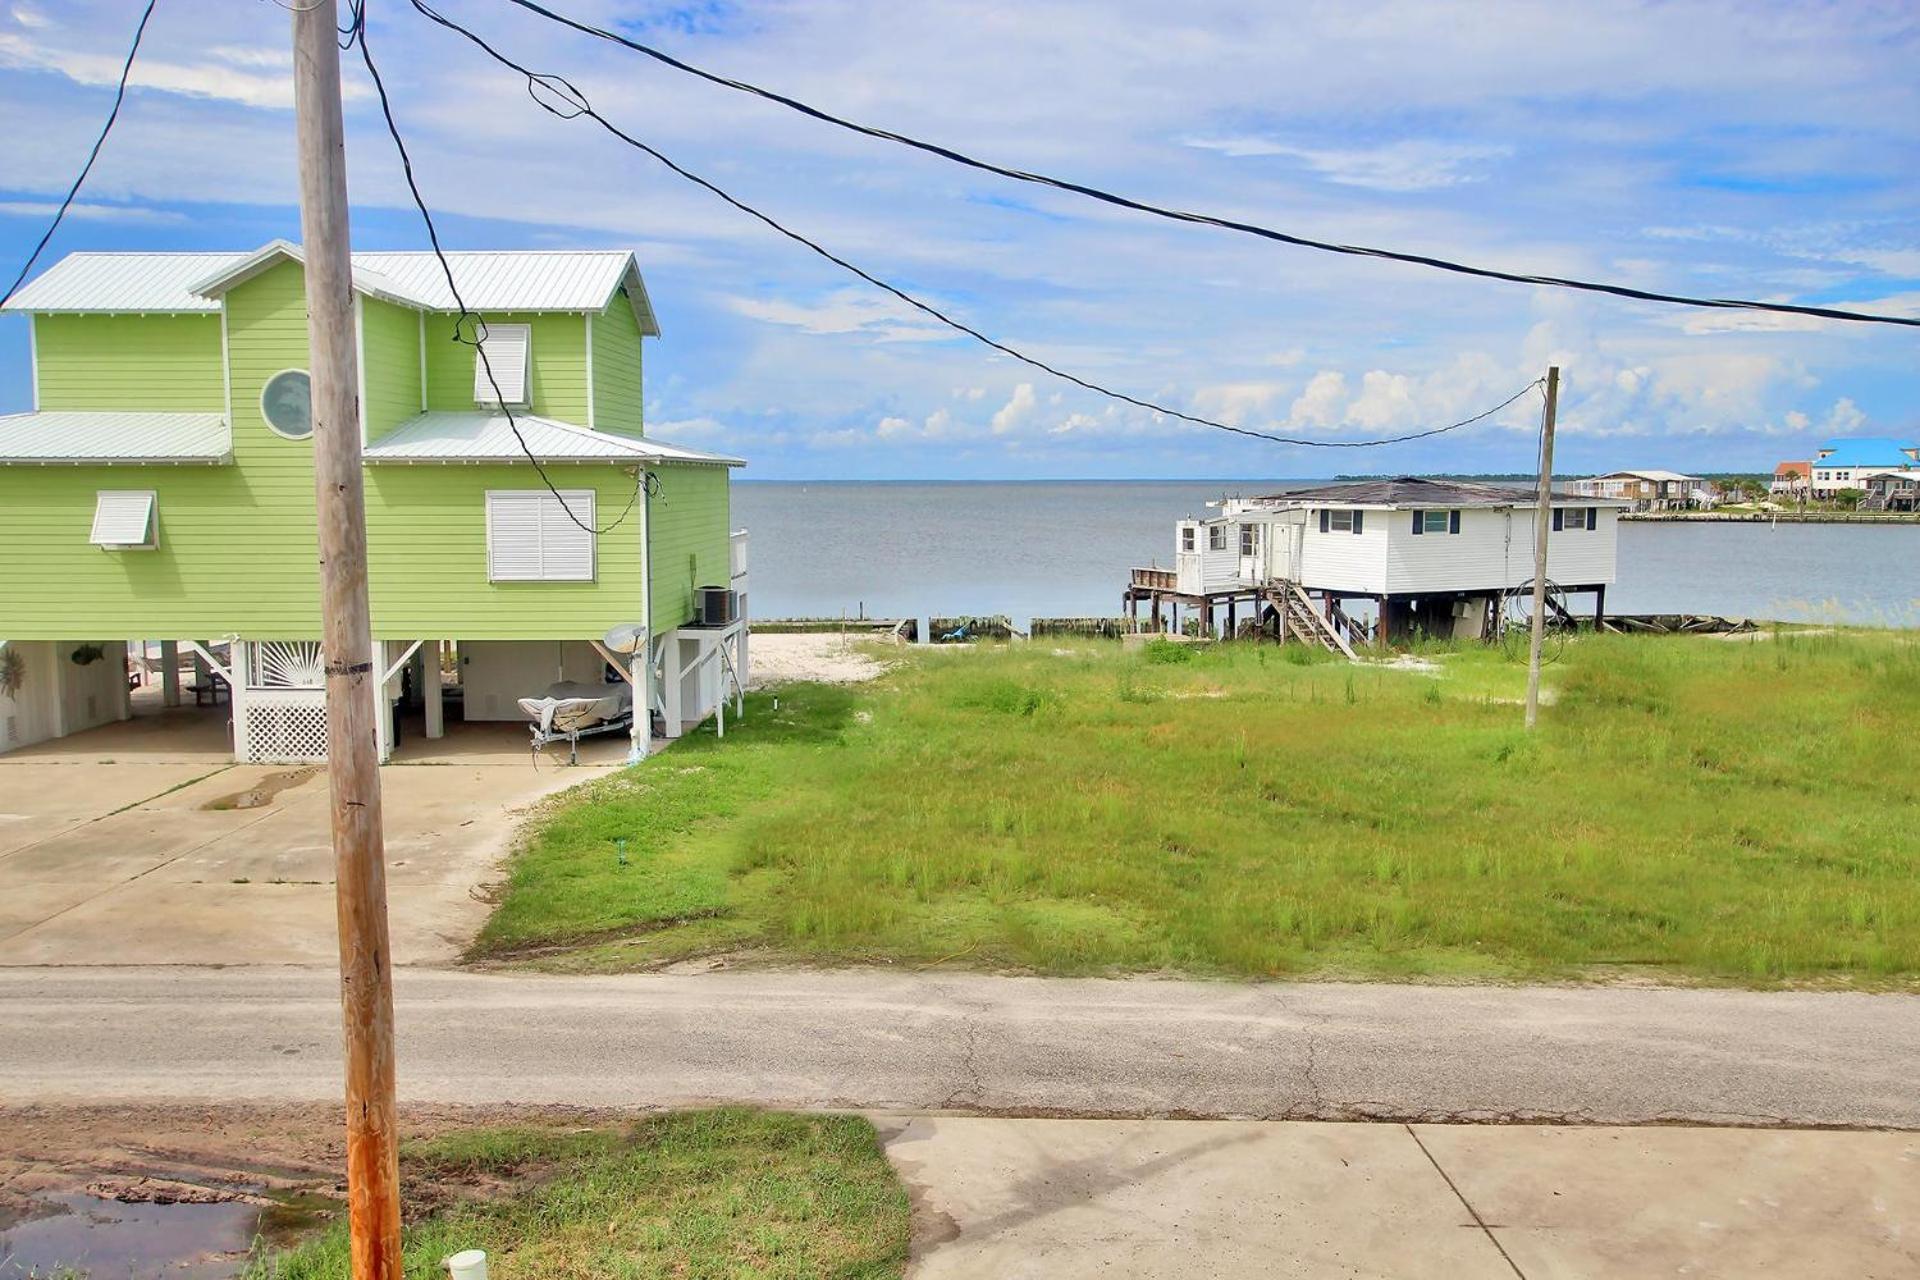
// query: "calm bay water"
[[1053, 549]]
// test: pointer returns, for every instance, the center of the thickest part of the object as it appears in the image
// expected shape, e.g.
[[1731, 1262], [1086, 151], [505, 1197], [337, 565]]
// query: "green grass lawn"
[[697, 1195], [1699, 808]]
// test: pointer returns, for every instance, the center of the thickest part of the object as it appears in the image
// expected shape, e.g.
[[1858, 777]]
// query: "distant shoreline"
[[1776, 517]]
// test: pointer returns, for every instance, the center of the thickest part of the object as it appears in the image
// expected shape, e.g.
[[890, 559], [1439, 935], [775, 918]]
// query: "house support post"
[[671, 678], [1229, 617], [1600, 607], [433, 693], [352, 682], [170, 673]]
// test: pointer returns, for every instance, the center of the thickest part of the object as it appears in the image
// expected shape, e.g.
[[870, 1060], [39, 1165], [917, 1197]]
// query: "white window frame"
[[1249, 539], [581, 502], [500, 361], [1216, 537], [150, 531], [1188, 540], [1432, 521], [1340, 520]]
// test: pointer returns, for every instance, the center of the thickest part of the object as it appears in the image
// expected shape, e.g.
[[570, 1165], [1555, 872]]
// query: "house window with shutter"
[[1436, 522], [508, 349], [531, 537], [125, 521], [1580, 518], [1337, 521]]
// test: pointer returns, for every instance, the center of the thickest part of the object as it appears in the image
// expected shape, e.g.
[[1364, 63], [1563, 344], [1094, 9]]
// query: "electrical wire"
[[119, 96], [646, 481], [566, 101], [1188, 216]]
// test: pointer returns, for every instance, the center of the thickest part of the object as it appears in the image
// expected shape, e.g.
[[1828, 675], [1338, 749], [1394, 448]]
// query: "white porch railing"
[[737, 553]]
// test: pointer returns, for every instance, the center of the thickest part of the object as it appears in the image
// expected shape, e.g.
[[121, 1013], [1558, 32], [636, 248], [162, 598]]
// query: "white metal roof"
[[487, 437], [123, 282], [510, 280], [1656, 476], [98, 436]]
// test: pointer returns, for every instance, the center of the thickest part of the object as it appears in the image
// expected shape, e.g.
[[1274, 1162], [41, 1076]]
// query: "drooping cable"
[[1188, 216], [646, 481], [563, 99], [119, 96]]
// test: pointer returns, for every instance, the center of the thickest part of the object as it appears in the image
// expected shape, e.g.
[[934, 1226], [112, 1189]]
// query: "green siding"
[[689, 542], [169, 363], [616, 369], [559, 385], [427, 539], [390, 343]]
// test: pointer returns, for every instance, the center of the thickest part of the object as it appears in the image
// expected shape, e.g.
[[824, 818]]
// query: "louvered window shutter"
[[1593, 517], [1359, 518], [1453, 522], [123, 521], [1326, 520], [508, 348], [1419, 519], [531, 538], [1558, 517]]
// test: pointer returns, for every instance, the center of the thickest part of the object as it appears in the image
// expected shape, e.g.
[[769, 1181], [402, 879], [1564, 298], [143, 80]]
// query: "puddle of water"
[[107, 1240]]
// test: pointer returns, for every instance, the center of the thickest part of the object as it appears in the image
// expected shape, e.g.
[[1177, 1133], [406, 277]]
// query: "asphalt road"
[[968, 1043]]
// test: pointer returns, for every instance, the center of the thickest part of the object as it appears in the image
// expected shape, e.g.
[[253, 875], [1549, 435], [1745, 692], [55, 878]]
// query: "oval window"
[[286, 402]]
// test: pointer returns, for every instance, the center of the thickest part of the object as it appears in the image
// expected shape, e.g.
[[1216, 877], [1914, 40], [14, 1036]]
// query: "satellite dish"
[[625, 638]]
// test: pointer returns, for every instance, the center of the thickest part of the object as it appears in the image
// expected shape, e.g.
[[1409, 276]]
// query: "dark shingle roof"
[[1410, 491]]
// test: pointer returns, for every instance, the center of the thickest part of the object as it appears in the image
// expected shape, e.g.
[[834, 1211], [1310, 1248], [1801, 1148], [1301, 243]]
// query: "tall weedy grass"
[[1728, 810]]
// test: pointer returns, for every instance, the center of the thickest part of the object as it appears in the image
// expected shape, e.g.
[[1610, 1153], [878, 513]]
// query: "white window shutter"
[[566, 550], [124, 521], [530, 537], [508, 348]]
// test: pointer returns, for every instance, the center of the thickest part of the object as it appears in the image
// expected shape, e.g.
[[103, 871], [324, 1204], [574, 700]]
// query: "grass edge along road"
[[694, 1195], [1692, 808]]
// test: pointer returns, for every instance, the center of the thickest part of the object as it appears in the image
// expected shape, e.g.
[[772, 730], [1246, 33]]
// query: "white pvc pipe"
[[470, 1264]]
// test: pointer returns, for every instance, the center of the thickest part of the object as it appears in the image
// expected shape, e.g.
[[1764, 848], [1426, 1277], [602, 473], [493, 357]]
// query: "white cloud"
[[216, 78], [1844, 418], [1408, 165], [1323, 403], [87, 212], [1015, 411], [845, 311]]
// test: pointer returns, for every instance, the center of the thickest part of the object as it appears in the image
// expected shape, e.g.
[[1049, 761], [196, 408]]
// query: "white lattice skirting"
[[281, 726]]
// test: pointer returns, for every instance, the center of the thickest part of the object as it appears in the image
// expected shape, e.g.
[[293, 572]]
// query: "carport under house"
[[161, 490]]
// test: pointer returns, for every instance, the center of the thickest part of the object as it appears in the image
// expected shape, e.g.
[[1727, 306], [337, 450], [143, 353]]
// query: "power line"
[[646, 482], [565, 100], [1203, 219], [119, 96]]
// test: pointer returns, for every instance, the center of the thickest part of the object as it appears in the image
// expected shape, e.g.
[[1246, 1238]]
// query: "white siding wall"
[[1339, 561], [496, 674], [58, 696], [1493, 549], [1580, 557]]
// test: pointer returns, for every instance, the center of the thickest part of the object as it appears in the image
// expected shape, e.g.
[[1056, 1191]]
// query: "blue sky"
[[1752, 150]]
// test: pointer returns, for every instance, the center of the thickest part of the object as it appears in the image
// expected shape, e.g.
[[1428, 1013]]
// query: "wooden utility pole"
[[1542, 525], [353, 764]]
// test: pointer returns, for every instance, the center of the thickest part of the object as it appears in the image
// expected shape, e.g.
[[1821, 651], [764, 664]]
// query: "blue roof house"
[[1843, 464]]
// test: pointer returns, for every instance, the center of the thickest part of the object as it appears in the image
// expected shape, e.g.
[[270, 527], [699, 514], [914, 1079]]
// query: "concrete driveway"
[[142, 843]]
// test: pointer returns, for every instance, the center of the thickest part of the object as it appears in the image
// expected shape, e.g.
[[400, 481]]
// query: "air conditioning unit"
[[717, 606]]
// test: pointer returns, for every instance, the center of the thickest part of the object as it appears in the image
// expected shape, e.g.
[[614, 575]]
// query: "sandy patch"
[[826, 657]]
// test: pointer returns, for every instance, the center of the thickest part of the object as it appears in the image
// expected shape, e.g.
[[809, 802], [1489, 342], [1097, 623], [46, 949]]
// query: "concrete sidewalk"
[[1063, 1199]]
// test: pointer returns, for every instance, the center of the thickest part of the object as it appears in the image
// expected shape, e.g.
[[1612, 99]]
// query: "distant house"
[[1892, 489], [1432, 556], [1790, 479], [1844, 464], [1650, 490]]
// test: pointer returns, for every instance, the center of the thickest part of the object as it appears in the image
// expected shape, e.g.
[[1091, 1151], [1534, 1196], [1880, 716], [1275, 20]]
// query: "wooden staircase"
[[1299, 617]]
